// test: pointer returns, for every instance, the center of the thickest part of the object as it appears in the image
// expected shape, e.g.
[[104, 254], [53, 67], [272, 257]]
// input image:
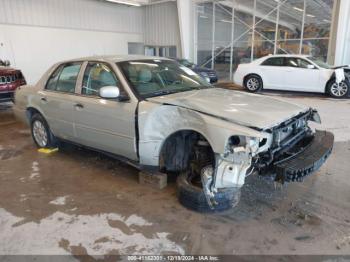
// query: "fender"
[[157, 122]]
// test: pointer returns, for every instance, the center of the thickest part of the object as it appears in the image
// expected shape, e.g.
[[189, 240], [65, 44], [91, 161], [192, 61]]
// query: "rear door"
[[272, 71], [107, 125], [57, 100], [300, 77]]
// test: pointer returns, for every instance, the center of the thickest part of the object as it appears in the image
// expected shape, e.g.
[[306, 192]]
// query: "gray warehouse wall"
[[34, 34], [162, 25]]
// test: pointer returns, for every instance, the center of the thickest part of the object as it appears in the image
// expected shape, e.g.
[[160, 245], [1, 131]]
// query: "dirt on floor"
[[76, 201]]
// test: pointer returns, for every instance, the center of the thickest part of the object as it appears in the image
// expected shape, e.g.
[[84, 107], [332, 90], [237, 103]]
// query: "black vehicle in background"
[[202, 71]]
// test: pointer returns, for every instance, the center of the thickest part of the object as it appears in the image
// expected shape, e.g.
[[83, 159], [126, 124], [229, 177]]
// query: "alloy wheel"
[[253, 84], [40, 133], [339, 90]]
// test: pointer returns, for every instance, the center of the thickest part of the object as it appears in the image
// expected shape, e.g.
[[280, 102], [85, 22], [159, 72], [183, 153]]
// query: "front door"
[[300, 77], [107, 125]]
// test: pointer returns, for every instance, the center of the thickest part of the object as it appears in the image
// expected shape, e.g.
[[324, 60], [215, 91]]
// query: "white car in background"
[[293, 73]]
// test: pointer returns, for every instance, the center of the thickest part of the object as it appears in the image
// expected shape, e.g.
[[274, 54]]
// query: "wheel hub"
[[340, 89], [253, 84], [39, 133]]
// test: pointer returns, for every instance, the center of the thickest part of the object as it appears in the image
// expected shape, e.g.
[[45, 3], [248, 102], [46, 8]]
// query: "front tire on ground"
[[193, 197], [340, 90], [253, 83], [41, 133]]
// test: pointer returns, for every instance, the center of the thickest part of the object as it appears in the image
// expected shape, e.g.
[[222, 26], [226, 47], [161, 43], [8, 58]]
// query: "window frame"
[[132, 89], [270, 58], [60, 67], [300, 58], [110, 66]]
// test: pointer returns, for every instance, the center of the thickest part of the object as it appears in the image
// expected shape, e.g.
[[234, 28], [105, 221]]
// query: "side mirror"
[[7, 63], [109, 92], [311, 67]]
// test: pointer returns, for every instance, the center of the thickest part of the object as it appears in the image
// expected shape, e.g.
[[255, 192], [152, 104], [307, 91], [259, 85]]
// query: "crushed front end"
[[296, 151], [288, 152]]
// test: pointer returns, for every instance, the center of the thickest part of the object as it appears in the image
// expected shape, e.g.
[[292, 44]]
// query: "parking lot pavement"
[[77, 201]]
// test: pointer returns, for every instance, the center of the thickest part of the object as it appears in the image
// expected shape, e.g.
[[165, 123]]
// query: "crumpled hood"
[[239, 107]]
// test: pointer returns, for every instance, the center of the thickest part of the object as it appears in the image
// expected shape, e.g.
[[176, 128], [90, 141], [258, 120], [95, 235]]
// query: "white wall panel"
[[74, 14], [34, 34], [162, 25], [35, 49]]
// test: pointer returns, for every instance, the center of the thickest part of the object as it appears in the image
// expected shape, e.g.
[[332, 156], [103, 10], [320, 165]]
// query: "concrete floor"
[[78, 202]]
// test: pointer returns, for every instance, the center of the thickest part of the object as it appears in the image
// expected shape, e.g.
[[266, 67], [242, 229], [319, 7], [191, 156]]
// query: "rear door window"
[[52, 82], [68, 78], [274, 61], [64, 78]]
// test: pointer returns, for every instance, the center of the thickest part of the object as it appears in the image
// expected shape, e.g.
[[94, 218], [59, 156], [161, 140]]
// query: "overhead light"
[[310, 15], [327, 21], [203, 16], [298, 9], [124, 2], [226, 21]]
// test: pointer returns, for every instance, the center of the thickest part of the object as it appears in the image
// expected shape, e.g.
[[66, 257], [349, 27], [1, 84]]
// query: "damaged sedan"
[[158, 115]]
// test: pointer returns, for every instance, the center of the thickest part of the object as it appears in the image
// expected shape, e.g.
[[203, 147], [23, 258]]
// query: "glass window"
[[186, 63], [291, 62], [97, 75], [275, 61], [161, 77], [303, 63], [297, 62], [52, 82], [320, 63], [67, 78]]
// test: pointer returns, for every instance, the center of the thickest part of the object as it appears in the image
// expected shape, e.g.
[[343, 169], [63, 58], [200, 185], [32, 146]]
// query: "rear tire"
[[41, 133], [193, 197], [253, 83], [338, 91]]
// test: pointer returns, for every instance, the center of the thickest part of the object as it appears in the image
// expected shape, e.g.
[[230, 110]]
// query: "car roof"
[[287, 55], [115, 58]]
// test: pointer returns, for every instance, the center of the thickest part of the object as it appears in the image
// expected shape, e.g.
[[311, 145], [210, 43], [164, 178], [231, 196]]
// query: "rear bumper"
[[309, 160], [237, 79], [20, 115]]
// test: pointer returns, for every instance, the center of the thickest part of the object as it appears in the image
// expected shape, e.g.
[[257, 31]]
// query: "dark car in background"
[[10, 79], [202, 71]]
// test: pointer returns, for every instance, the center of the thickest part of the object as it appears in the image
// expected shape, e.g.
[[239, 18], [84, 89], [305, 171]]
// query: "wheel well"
[[252, 74], [328, 82], [30, 112], [178, 149]]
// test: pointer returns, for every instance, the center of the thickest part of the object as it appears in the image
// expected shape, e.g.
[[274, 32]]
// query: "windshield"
[[186, 63], [161, 77], [319, 62]]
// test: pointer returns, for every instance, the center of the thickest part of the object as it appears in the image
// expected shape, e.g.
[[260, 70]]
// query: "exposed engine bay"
[[291, 152]]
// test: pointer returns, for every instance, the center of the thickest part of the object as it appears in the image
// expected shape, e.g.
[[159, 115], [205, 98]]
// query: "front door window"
[[96, 76]]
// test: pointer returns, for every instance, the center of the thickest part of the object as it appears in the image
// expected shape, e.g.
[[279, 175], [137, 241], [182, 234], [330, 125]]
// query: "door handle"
[[43, 99], [79, 106]]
